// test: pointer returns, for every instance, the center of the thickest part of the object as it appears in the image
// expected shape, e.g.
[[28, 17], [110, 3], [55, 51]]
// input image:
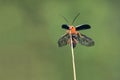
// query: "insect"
[[76, 36]]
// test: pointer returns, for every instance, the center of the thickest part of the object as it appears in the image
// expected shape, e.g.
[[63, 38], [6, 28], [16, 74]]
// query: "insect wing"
[[83, 27], [84, 40], [63, 40], [64, 26]]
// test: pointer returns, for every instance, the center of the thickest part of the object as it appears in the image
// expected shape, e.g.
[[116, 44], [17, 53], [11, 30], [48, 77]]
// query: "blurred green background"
[[29, 30]]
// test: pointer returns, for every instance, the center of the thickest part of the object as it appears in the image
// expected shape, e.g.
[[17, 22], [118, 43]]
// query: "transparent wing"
[[84, 40], [63, 40]]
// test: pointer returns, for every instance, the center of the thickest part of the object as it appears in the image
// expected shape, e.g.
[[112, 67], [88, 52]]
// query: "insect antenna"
[[75, 17], [65, 19]]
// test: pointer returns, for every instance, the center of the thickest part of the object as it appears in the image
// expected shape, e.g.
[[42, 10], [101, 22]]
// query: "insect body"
[[76, 36]]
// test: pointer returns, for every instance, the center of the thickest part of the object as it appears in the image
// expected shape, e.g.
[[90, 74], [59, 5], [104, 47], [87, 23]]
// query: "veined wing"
[[63, 40], [84, 40]]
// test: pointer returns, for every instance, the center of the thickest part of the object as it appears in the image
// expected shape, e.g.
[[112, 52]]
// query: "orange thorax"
[[72, 30]]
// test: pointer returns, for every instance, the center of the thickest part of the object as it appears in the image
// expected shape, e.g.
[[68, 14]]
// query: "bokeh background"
[[29, 30]]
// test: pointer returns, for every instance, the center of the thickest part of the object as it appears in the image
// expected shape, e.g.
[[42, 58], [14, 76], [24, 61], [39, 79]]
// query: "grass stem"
[[73, 58]]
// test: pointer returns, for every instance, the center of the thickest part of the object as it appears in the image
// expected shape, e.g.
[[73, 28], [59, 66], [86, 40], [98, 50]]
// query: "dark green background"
[[29, 30]]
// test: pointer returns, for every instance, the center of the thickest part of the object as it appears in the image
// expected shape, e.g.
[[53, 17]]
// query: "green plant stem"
[[73, 59]]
